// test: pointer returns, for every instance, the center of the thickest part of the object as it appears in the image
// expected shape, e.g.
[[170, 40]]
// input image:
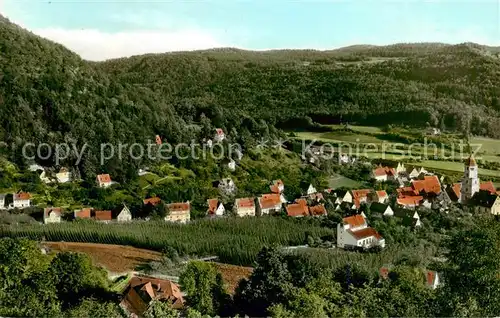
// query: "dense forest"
[[49, 94]]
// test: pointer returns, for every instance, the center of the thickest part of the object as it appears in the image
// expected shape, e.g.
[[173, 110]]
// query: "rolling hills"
[[49, 94]]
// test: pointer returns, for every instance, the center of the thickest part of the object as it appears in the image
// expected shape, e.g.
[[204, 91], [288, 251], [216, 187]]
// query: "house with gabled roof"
[[244, 207], [277, 186], [381, 196], [354, 232], [311, 190], [52, 215], [21, 200], [142, 290], [297, 209], [317, 210], [383, 173], [270, 204], [122, 214], [410, 218], [215, 207], [360, 196], [381, 208], [103, 180], [179, 212], [486, 202]]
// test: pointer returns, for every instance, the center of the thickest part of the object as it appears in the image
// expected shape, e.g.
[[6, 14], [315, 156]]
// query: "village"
[[416, 188]]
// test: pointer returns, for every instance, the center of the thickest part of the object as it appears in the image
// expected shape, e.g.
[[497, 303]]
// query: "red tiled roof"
[[297, 209], [270, 200], [83, 213], [246, 203], [354, 220], [382, 171], [103, 215], [430, 184], [381, 194], [488, 186], [406, 191], [363, 193], [178, 207], [366, 232], [457, 188], [430, 277], [317, 210], [22, 196], [212, 205], [47, 211], [410, 200], [384, 272], [104, 178], [153, 201]]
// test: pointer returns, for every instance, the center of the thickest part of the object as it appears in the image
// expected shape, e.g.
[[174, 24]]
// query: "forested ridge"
[[49, 94]]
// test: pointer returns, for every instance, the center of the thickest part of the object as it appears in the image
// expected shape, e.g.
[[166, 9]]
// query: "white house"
[[51, 215], [244, 207], [179, 212], [353, 232], [63, 176], [124, 215], [215, 207], [219, 135], [103, 180], [311, 189], [21, 200]]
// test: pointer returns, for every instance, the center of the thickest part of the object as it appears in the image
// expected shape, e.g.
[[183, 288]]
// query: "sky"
[[100, 29]]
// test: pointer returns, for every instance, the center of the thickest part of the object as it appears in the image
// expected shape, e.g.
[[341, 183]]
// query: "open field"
[[489, 146], [232, 274], [338, 181], [115, 258], [234, 240], [362, 129]]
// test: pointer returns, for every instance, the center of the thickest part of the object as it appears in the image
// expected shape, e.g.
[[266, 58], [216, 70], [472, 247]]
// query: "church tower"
[[470, 181]]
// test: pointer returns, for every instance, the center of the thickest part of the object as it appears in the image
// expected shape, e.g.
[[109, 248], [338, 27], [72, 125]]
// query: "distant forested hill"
[[49, 94]]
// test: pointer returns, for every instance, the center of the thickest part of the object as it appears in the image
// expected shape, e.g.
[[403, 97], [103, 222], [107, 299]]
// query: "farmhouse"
[[103, 180], [215, 207], [141, 290], [21, 200], [179, 212], [244, 207], [354, 232], [51, 215], [270, 203]]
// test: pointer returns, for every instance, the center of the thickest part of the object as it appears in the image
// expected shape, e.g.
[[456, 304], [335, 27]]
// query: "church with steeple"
[[470, 184]]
